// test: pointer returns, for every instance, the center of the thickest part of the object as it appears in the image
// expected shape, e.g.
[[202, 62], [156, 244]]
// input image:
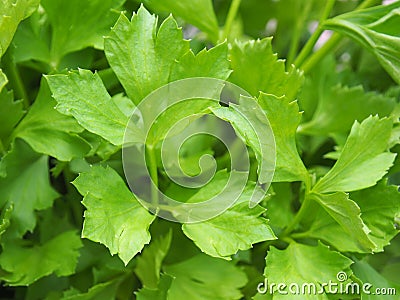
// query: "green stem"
[[153, 175], [332, 43], [307, 49], [303, 211], [233, 9], [15, 78], [295, 41]]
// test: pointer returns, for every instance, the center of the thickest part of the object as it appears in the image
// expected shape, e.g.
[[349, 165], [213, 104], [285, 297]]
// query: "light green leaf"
[[339, 106], [362, 161], [256, 68], [377, 29], [26, 186], [225, 235], [5, 218], [148, 264], [101, 291], [280, 210], [141, 56], [11, 13], [327, 229], [301, 264], [207, 63], [200, 13], [26, 264], [203, 277], [367, 274], [84, 96], [77, 25], [347, 214], [3, 80], [113, 216], [284, 118], [253, 127], [49, 132], [379, 206], [160, 293]]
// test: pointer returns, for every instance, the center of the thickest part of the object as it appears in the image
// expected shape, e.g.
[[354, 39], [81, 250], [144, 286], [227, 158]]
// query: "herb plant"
[[324, 74]]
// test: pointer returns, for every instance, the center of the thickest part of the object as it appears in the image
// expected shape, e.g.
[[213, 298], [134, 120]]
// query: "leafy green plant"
[[71, 228]]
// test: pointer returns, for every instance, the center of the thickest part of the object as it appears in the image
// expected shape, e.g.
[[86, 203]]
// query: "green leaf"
[[202, 277], [26, 186], [11, 111], [49, 132], [160, 293], [225, 235], [207, 63], [84, 96], [11, 13], [280, 210], [141, 56], [368, 274], [26, 264], [252, 126], [362, 161], [200, 13], [148, 264], [379, 207], [101, 291], [377, 30], [340, 106], [76, 25], [256, 68], [113, 216], [301, 264], [284, 118], [347, 214]]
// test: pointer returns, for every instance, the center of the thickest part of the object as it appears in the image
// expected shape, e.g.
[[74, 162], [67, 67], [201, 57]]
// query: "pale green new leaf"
[[84, 96], [301, 264], [141, 56], [200, 13], [26, 264], [379, 207], [113, 215], [77, 25], [12, 12], [347, 214], [203, 277], [256, 68], [363, 160], [284, 118], [377, 29], [26, 186], [49, 132], [148, 264]]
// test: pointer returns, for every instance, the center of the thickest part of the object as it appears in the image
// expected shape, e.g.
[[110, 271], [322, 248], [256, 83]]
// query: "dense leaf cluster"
[[69, 84]]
